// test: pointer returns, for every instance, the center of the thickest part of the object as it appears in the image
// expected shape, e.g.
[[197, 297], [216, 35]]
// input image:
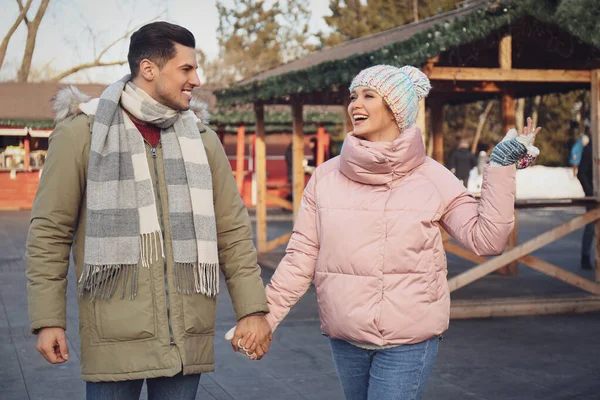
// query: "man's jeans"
[[178, 387], [397, 373]]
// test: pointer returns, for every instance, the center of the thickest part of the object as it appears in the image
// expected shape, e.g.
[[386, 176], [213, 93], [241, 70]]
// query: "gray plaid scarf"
[[123, 229]]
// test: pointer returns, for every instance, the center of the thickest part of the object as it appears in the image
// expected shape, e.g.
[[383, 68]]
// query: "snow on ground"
[[539, 182]]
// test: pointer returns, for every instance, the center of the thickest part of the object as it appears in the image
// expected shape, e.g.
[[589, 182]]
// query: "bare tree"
[[97, 62], [520, 114], [32, 29], [481, 123], [11, 31], [535, 108]]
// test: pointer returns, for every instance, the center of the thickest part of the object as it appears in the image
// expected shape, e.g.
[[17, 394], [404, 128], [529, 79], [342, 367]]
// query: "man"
[[462, 161], [143, 194], [583, 168], [577, 152]]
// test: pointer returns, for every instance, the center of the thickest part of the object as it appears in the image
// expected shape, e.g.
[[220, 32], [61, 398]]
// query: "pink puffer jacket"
[[368, 234]]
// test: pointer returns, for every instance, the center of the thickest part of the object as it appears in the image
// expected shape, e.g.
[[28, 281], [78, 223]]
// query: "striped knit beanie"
[[401, 88]]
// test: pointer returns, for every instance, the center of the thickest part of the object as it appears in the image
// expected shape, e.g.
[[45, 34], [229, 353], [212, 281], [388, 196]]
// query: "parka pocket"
[[199, 314], [125, 319]]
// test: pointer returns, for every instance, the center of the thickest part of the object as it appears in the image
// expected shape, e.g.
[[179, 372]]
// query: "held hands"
[[251, 336], [517, 148], [52, 344]]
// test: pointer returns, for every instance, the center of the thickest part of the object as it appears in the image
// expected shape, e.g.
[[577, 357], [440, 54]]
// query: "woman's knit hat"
[[401, 88]]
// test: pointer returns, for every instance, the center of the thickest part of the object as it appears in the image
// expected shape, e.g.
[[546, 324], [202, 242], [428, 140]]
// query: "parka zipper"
[[172, 340]]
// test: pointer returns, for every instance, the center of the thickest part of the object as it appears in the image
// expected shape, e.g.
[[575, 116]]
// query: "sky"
[[74, 31]]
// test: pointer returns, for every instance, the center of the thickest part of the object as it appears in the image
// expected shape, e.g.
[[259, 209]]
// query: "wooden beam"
[[240, 158], [421, 121], [278, 201], [533, 263], [261, 178], [524, 249], [461, 252], [595, 142], [275, 243], [461, 309], [27, 148], [561, 274], [505, 52], [298, 154], [509, 75], [320, 145], [428, 67], [437, 130], [509, 120]]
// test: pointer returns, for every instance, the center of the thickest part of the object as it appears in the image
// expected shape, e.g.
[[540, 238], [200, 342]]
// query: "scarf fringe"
[[101, 281], [193, 278], [150, 243]]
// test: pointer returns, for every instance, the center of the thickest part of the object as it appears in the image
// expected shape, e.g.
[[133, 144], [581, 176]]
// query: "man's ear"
[[148, 70]]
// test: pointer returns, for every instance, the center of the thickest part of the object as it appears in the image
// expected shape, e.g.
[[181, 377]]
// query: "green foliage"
[[335, 75], [236, 117], [351, 19], [581, 18], [34, 124]]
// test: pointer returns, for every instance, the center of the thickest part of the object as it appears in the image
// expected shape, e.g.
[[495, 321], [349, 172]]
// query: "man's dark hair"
[[156, 42]]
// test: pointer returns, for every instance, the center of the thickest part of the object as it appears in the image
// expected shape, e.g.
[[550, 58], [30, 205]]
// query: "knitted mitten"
[[515, 149]]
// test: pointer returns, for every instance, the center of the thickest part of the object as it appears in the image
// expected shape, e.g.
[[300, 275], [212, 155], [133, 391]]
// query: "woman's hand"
[[517, 148]]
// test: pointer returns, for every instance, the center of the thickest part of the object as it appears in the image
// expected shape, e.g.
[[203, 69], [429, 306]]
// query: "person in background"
[[577, 152], [581, 159], [462, 161]]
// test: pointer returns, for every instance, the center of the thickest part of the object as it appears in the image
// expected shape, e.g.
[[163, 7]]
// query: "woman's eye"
[[352, 98]]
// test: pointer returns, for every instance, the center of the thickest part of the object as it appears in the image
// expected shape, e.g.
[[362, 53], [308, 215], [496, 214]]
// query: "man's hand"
[[256, 334], [52, 344], [575, 167]]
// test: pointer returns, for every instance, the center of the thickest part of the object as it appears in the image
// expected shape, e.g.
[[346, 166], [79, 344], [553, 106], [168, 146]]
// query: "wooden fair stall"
[[241, 148], [501, 49]]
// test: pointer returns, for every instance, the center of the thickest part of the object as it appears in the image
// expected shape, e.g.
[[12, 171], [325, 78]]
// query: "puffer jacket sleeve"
[[237, 254], [481, 226], [296, 270], [54, 218]]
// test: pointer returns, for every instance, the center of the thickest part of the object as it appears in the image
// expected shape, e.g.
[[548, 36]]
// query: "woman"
[[368, 233]]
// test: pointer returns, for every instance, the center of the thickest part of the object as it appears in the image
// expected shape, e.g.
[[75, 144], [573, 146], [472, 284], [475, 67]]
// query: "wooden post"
[[421, 121], [595, 135], [437, 125], [320, 145], [27, 147], [261, 178], [298, 154], [240, 158], [509, 122]]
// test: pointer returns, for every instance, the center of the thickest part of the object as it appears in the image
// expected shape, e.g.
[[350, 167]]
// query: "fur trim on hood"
[[66, 103], [69, 102]]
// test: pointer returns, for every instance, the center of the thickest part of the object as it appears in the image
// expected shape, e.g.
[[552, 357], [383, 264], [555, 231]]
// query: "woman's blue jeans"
[[397, 373], [178, 387]]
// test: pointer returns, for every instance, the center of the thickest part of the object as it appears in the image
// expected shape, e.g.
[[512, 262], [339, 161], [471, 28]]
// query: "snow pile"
[[539, 182]]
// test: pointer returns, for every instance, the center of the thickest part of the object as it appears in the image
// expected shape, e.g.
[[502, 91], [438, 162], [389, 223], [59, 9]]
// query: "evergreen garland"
[[580, 18]]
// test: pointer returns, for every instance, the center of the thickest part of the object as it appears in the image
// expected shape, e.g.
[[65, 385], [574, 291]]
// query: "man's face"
[[176, 79]]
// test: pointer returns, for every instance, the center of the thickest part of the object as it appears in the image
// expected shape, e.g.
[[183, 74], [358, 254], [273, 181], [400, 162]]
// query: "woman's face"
[[371, 117]]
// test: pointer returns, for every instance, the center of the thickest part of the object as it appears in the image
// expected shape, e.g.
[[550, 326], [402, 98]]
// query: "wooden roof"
[[362, 45], [546, 35]]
